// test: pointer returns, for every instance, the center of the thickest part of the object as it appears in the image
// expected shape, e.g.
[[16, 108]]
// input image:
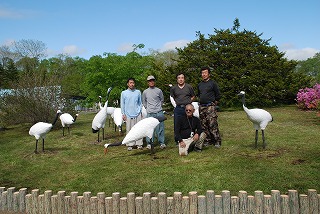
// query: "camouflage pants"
[[209, 123]]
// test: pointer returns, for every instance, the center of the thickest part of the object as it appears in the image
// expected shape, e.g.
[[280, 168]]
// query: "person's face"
[[180, 79], [151, 83], [189, 110], [131, 84], [205, 74]]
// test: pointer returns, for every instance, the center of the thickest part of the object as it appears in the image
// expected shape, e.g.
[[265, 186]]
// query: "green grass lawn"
[[77, 163]]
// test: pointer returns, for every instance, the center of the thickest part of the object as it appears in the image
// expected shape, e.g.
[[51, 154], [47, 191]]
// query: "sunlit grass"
[[77, 163]]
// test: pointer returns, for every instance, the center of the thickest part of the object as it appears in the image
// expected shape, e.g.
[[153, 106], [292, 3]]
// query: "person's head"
[[131, 83], [151, 81], [180, 79], [189, 110], [205, 73]]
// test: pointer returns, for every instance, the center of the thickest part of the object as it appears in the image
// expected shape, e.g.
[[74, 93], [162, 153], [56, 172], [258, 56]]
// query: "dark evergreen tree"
[[241, 60]]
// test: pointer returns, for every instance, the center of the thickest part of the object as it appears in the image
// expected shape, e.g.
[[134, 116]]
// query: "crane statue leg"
[[68, 130], [36, 150], [256, 139], [42, 145], [62, 131], [102, 133], [99, 136], [263, 140]]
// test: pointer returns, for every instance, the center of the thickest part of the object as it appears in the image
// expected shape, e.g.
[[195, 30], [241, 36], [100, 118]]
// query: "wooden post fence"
[[19, 201]]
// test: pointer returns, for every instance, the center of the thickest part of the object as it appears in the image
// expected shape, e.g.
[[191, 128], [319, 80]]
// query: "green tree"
[[310, 67], [241, 60]]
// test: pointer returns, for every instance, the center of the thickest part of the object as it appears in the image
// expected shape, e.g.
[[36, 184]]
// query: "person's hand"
[[124, 117], [196, 137], [182, 144]]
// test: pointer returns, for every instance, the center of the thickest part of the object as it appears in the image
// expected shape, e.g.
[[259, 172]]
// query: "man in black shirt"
[[188, 132], [209, 96]]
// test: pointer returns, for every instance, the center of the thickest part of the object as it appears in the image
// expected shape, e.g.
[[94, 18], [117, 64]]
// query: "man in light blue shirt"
[[131, 106], [152, 99]]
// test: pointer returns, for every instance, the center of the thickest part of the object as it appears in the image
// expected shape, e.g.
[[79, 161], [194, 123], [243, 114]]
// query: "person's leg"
[[199, 143]]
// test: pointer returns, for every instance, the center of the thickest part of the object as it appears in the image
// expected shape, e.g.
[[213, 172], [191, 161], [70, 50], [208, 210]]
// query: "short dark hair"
[[205, 68], [131, 78], [180, 73]]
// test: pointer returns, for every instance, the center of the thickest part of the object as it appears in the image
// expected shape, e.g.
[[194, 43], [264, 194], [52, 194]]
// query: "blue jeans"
[[159, 130]]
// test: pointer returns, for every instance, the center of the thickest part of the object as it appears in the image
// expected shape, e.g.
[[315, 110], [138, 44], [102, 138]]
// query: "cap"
[[150, 78]]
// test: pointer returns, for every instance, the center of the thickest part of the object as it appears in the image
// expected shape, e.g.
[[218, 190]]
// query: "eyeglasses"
[[188, 110]]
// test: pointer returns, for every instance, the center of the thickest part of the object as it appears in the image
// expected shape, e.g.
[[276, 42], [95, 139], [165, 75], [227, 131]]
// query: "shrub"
[[309, 98]]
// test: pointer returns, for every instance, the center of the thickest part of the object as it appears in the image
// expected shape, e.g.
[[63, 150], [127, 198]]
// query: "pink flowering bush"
[[309, 98]]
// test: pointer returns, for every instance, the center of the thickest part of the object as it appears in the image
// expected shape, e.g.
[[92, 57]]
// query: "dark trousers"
[[177, 112]]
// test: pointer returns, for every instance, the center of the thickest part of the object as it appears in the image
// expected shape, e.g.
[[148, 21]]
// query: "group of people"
[[190, 133]]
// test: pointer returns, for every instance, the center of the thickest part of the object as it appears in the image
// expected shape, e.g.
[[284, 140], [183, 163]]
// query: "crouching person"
[[188, 132]]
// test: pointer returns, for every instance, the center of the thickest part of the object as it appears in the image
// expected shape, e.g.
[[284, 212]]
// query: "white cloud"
[[12, 14], [73, 50], [174, 44], [297, 54], [8, 42], [125, 48]]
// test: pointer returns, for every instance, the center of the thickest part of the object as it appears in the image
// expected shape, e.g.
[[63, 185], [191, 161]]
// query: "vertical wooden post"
[[116, 202], [29, 204], [276, 201], [285, 209], [131, 202], [304, 204], [80, 204], [54, 204], [94, 205], [2, 189], [258, 201], [146, 202], [41, 204], [313, 201], [15, 203], [218, 209], [170, 207], [235, 207], [185, 205], [74, 202], [293, 201], [47, 201], [267, 205], [22, 199], [162, 196], [60, 199], [251, 205], [86, 202], [101, 202], [67, 204], [139, 205], [202, 205], [226, 201], [10, 192], [243, 201], [193, 198], [154, 205], [35, 194], [177, 198], [123, 205], [210, 201], [109, 208]]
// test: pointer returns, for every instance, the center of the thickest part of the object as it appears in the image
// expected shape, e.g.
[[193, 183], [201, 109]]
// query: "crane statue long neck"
[[56, 118]]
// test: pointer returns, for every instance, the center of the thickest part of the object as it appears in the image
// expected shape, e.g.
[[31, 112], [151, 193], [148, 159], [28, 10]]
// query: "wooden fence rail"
[[49, 203]]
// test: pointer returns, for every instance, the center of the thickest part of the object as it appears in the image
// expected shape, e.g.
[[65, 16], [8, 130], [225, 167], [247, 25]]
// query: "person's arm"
[[122, 106], [144, 99]]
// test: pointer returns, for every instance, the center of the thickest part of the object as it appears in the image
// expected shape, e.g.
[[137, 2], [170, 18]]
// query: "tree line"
[[240, 60]]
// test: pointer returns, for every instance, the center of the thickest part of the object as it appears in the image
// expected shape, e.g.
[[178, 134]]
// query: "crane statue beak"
[[105, 151]]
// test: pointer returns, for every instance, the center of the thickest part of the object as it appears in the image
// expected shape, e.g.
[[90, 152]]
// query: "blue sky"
[[87, 28]]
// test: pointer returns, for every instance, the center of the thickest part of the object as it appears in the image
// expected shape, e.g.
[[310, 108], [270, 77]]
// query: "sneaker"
[[148, 146], [196, 149], [217, 146], [129, 148], [163, 146], [140, 147]]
